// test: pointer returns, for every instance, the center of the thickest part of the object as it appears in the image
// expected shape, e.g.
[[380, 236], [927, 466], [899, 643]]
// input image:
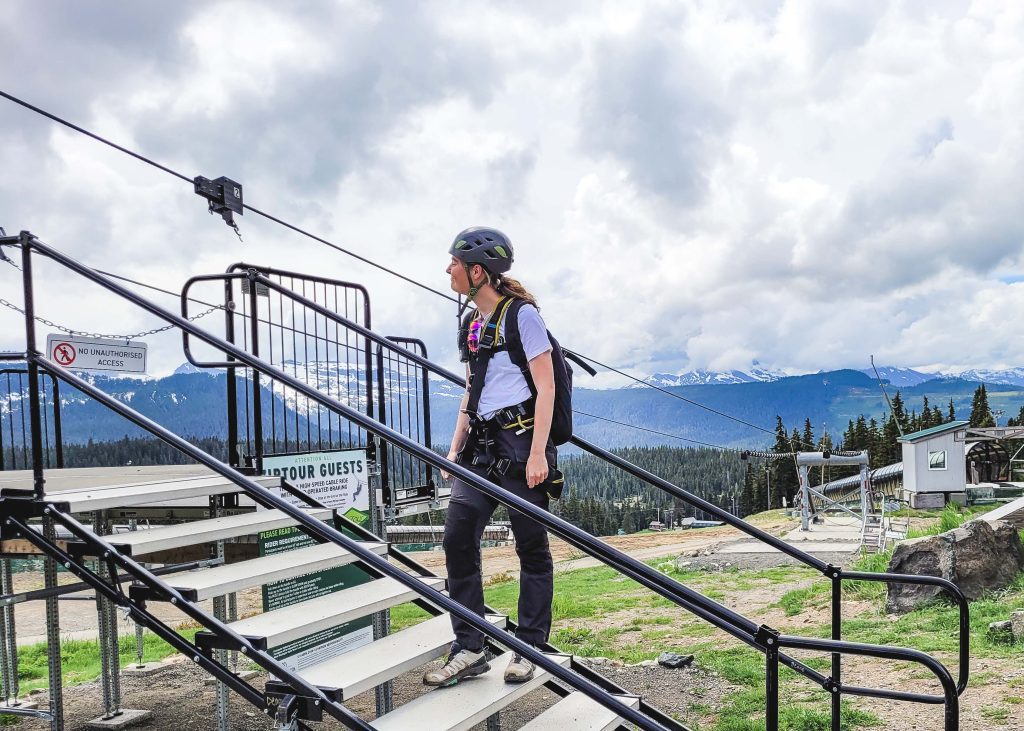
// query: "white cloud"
[[688, 184]]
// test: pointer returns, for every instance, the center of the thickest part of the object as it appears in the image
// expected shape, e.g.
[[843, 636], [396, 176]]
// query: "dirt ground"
[[180, 700], [78, 618]]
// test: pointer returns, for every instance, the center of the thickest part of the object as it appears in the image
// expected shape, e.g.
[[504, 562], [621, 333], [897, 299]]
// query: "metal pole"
[[53, 655], [837, 659], [232, 386], [771, 687], [220, 612], [257, 398], [384, 693], [10, 649], [107, 663], [33, 367], [805, 499]]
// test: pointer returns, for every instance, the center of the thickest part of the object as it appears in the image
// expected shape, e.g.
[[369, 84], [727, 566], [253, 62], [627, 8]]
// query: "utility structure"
[[875, 531]]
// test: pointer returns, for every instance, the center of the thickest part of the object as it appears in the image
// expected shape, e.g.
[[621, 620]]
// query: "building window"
[[959, 435], [937, 460]]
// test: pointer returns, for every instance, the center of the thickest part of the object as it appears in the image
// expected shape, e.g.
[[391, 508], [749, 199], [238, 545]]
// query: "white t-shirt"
[[504, 384]]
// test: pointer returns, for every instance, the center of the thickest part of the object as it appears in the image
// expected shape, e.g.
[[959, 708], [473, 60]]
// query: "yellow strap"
[[501, 309], [527, 424]]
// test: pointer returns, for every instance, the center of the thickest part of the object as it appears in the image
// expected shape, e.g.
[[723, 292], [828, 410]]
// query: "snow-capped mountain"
[[702, 377], [1012, 376], [901, 376]]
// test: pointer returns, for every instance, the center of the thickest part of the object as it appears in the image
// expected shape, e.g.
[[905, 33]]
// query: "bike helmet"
[[488, 247]]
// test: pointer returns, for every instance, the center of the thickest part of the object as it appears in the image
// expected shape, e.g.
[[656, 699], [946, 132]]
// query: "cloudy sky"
[[687, 184]]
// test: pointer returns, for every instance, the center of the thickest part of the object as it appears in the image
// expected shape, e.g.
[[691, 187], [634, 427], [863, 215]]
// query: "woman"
[[516, 458]]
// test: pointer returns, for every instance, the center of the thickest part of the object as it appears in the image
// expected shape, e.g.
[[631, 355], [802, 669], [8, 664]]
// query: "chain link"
[[83, 333]]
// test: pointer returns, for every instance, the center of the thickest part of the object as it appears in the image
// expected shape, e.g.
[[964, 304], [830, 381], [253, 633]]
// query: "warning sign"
[[97, 354]]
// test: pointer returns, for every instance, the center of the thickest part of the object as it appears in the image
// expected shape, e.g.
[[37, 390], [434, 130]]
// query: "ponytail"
[[509, 286]]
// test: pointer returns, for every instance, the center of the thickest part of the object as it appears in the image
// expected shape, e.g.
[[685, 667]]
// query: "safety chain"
[[83, 333]]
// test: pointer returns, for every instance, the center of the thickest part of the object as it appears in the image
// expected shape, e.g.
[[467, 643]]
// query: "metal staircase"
[[105, 561]]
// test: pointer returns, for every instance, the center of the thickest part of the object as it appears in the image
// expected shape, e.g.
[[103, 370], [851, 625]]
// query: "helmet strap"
[[474, 288]]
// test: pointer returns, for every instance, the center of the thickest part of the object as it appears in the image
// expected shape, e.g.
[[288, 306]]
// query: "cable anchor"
[[224, 196]]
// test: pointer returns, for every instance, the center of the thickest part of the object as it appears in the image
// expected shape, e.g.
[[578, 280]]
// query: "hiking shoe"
[[519, 670], [459, 665]]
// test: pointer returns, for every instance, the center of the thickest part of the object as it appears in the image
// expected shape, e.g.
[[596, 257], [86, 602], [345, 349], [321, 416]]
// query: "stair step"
[[280, 626], [579, 712], [207, 583], [363, 668], [142, 493], [151, 540], [464, 705]]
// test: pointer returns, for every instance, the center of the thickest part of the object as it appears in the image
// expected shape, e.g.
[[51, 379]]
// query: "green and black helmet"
[[488, 247]]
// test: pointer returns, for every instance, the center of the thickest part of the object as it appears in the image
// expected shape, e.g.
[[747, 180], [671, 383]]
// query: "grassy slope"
[[600, 613]]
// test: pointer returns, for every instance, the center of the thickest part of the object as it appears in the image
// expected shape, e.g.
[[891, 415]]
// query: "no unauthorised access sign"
[[97, 354]]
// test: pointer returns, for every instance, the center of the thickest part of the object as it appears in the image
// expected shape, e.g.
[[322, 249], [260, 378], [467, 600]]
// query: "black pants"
[[469, 510]]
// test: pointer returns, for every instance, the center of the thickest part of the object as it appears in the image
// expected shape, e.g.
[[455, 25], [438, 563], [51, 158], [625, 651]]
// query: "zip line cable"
[[336, 247], [258, 212]]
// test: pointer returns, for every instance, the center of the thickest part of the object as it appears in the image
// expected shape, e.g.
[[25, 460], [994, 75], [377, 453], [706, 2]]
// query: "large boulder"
[[978, 557]]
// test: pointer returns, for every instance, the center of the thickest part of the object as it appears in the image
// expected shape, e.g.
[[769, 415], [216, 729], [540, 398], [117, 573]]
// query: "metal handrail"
[[636, 570], [835, 573], [703, 607]]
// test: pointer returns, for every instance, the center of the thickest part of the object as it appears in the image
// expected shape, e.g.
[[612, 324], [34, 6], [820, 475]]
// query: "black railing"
[[15, 433], [836, 575], [403, 403], [763, 638], [263, 415]]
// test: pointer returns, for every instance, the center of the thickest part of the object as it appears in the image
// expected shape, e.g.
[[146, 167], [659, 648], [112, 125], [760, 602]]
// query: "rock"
[[646, 663], [673, 661], [1017, 625], [1001, 631], [978, 557]]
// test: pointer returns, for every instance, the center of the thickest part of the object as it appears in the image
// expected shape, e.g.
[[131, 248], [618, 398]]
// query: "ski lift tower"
[[806, 460]]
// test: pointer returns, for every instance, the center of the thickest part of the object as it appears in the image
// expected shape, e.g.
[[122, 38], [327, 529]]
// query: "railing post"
[[53, 654], [232, 393], [33, 368], [257, 399], [837, 659], [768, 639]]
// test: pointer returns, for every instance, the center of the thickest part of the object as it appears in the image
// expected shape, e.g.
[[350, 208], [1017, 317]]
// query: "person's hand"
[[451, 458], [536, 470]]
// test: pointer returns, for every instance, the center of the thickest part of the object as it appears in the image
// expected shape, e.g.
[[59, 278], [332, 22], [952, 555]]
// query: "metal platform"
[[580, 713]]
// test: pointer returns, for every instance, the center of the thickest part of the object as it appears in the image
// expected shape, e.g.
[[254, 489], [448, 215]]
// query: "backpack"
[[508, 312]]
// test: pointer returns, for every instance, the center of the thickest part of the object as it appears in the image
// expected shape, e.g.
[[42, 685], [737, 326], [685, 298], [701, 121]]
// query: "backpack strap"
[[514, 343], [488, 346]]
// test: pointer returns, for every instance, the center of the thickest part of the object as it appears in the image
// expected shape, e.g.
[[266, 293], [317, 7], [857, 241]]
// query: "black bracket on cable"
[[224, 196]]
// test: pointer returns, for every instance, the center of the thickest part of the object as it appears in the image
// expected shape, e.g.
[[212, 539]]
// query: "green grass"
[[80, 659]]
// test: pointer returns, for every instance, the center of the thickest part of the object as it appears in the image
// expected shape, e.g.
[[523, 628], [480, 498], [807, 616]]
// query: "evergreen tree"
[[951, 415], [807, 437], [899, 411], [981, 414], [747, 496]]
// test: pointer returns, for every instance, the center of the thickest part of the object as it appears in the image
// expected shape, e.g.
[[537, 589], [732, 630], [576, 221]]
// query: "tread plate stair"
[[208, 583], [280, 626], [151, 540], [579, 712], [464, 705], [359, 670], [144, 493]]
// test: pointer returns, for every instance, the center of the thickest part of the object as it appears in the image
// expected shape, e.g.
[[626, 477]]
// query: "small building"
[[934, 464], [656, 525]]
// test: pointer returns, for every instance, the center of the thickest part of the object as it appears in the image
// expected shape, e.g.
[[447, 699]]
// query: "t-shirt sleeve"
[[533, 332]]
